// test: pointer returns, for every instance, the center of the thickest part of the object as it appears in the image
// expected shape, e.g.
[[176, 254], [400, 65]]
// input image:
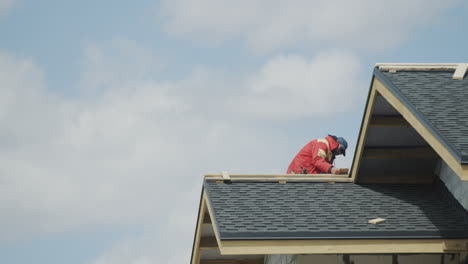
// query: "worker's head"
[[342, 146]]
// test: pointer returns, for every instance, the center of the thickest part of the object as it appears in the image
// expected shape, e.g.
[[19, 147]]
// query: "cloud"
[[293, 87], [269, 25], [129, 150], [5, 6]]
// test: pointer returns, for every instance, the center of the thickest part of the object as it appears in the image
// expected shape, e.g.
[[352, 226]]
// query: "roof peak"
[[460, 68]]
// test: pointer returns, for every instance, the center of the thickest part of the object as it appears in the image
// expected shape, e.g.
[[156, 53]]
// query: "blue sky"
[[111, 111]]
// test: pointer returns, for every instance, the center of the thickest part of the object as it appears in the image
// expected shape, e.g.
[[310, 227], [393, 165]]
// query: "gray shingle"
[[260, 210], [440, 100]]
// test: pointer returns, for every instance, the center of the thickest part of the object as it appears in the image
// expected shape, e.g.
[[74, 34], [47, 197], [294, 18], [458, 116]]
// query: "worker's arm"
[[319, 155]]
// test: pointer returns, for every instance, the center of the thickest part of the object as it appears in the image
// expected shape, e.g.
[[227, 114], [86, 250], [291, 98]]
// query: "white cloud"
[[268, 25], [130, 150], [292, 87], [5, 6]]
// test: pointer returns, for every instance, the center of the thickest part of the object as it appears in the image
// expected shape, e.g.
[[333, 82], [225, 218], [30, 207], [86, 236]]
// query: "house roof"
[[304, 210], [438, 100]]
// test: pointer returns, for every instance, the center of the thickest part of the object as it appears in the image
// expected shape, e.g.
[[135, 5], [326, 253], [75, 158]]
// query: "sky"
[[111, 112]]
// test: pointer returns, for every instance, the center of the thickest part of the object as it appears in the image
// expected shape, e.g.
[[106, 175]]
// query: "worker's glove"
[[335, 170]]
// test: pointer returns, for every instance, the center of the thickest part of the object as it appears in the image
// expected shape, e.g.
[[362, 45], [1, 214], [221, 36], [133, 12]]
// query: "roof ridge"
[[460, 68]]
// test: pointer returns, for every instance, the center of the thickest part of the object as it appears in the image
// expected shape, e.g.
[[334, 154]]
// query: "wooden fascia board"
[[232, 261], [350, 246], [273, 176], [287, 179], [363, 131], [195, 259], [213, 219], [431, 139]]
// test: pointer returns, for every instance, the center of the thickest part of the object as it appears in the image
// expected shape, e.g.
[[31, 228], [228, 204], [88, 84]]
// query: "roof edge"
[[283, 178], [197, 227], [357, 158], [352, 246], [345, 235], [459, 74]]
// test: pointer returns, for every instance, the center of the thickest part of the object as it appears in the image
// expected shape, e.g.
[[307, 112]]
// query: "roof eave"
[[350, 246]]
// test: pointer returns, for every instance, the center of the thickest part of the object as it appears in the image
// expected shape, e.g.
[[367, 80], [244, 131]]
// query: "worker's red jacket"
[[315, 157]]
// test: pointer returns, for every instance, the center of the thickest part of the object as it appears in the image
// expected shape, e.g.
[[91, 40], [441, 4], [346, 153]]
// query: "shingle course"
[[259, 210]]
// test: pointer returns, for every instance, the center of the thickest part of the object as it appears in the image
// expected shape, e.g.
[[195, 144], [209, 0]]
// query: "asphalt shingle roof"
[[440, 100], [263, 210]]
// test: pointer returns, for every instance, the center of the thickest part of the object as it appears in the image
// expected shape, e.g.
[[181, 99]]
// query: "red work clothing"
[[315, 157]]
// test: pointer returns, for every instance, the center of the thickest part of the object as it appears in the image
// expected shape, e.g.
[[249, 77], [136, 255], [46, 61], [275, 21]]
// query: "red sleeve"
[[319, 153]]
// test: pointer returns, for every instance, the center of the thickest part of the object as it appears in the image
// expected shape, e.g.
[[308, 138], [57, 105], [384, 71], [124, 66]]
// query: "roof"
[[438, 100], [320, 210]]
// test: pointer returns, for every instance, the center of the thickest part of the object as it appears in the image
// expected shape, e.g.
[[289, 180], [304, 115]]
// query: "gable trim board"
[[213, 218], [363, 131], [385, 88], [195, 257]]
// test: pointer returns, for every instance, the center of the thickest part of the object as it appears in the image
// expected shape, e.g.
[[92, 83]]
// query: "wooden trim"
[[215, 228], [284, 179], [460, 71], [363, 132], [207, 243], [399, 153], [460, 68], [234, 176], [388, 121], [225, 175], [201, 215], [454, 164], [397, 178], [382, 64], [418, 67], [362, 246], [232, 261]]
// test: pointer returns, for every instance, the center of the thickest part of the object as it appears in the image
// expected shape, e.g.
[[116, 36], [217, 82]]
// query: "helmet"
[[344, 143]]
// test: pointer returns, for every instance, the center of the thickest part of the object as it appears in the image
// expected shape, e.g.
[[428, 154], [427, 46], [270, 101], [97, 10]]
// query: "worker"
[[318, 156]]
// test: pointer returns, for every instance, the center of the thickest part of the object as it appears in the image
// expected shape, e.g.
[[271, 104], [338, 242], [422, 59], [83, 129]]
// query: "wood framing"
[[281, 178], [208, 243], [225, 175], [400, 178], [362, 246], [388, 121], [363, 132], [235, 176], [460, 68], [210, 212], [232, 261], [399, 153], [461, 71], [454, 164]]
